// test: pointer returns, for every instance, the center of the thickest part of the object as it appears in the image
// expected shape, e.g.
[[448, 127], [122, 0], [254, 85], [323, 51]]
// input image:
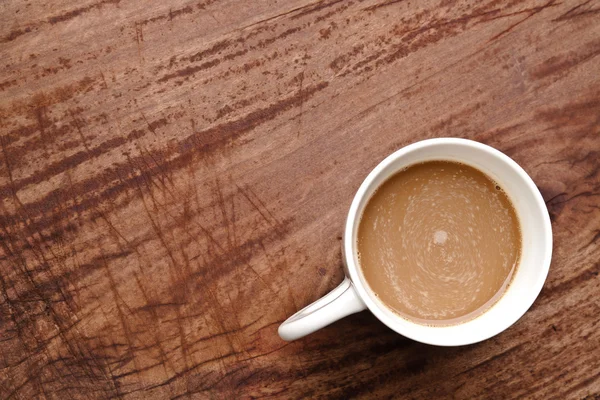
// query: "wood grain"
[[174, 180]]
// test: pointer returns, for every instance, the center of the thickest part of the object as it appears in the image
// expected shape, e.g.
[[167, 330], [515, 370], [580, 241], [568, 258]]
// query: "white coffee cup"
[[354, 295]]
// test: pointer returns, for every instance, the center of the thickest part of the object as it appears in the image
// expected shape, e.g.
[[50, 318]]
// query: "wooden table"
[[175, 178]]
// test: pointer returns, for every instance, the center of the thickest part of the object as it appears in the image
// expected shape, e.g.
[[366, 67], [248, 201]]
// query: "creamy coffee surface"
[[438, 242]]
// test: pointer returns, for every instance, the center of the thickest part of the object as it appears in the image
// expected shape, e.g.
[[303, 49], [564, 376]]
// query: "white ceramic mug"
[[354, 295]]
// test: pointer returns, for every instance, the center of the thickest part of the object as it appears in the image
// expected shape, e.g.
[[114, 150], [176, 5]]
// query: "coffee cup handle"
[[340, 302]]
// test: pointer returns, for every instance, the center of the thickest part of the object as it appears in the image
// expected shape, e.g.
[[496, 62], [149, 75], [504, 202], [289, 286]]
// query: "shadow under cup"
[[536, 246]]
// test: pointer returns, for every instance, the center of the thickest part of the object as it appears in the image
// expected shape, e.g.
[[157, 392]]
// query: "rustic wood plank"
[[175, 176]]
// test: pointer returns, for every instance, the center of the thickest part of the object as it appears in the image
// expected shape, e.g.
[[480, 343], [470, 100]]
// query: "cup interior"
[[535, 229]]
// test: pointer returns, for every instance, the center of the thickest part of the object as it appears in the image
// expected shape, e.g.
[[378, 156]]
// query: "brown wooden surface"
[[175, 177]]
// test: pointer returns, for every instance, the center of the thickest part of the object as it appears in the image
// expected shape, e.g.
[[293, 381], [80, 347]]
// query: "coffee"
[[438, 242]]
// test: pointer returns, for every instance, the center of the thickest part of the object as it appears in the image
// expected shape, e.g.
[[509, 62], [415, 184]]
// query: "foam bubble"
[[440, 237]]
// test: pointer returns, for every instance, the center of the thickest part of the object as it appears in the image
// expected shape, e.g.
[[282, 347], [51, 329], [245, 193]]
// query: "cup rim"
[[354, 218]]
